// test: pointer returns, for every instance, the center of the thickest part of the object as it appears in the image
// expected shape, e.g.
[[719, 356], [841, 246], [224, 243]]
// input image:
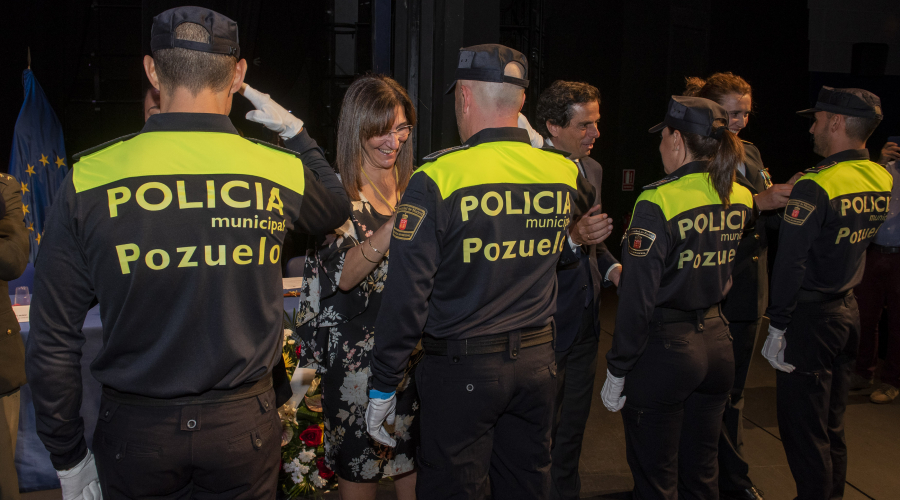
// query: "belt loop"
[[701, 316], [515, 343]]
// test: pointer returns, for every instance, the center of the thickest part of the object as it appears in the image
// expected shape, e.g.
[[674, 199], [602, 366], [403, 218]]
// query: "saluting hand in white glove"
[[81, 482], [773, 350], [612, 392], [381, 410], [271, 114]]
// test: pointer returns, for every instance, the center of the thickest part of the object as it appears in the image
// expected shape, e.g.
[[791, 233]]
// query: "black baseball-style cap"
[[486, 63], [850, 102], [223, 32], [695, 115]]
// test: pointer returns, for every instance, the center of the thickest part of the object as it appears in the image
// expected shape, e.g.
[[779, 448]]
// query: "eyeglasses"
[[402, 133]]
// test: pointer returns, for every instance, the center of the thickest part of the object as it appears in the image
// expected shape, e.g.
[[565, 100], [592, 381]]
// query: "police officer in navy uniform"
[[833, 214], [671, 355], [474, 251], [177, 232]]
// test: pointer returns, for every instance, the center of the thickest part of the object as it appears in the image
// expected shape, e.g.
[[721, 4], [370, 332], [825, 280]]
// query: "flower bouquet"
[[303, 470]]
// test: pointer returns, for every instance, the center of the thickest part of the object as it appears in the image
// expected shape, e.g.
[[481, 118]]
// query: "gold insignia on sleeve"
[[797, 211], [409, 218], [640, 241]]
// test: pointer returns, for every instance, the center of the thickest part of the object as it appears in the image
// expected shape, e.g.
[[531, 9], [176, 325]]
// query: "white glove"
[[81, 482], [773, 350], [381, 411], [271, 114], [612, 392], [537, 141]]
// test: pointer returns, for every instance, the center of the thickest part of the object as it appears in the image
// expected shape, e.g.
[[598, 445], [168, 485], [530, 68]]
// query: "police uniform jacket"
[[177, 232], [749, 293], [678, 253], [832, 216], [14, 250], [475, 246], [581, 276]]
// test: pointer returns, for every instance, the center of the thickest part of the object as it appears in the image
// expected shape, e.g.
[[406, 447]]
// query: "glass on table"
[[23, 297]]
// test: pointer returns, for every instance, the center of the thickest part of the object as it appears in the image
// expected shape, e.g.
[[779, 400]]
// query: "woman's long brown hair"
[[724, 156], [368, 111]]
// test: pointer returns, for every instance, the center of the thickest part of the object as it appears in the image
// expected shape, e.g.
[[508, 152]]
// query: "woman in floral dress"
[[344, 278]]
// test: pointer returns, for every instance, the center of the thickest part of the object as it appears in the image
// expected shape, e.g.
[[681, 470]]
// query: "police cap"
[[695, 115], [223, 32], [850, 102], [486, 63]]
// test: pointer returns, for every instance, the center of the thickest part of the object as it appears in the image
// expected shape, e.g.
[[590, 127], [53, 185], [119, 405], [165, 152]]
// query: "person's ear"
[[553, 129], [150, 70], [522, 104], [467, 96], [836, 122], [240, 71]]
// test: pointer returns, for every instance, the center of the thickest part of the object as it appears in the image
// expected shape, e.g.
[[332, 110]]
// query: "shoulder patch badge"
[[409, 218], [819, 168], [664, 180], [438, 154], [797, 211], [639, 241]]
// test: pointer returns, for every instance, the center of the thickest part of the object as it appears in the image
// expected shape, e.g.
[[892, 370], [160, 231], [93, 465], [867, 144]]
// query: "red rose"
[[324, 471], [312, 436], [299, 351]]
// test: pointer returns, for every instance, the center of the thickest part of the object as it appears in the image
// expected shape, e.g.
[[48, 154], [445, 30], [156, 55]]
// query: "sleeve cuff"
[[574, 246], [606, 276], [376, 394]]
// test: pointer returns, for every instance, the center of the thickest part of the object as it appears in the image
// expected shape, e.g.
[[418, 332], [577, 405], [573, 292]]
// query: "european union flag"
[[38, 158]]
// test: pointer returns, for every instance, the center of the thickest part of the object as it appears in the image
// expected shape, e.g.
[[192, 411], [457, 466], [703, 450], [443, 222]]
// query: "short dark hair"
[[192, 69], [860, 128], [555, 103]]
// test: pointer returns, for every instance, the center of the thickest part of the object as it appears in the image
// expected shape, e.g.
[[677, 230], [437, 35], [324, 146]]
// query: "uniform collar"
[[846, 155], [189, 122], [512, 134], [693, 167]]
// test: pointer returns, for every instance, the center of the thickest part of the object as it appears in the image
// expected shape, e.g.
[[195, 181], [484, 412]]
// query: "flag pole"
[[29, 57]]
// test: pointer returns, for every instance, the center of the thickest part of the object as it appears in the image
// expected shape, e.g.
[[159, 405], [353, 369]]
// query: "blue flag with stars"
[[38, 158]]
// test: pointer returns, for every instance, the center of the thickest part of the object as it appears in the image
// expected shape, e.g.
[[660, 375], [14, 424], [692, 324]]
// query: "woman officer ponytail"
[[703, 125], [723, 150]]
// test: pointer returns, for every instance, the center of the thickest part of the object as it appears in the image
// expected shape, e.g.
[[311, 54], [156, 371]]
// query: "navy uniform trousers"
[[485, 424], [211, 451], [676, 396], [822, 340]]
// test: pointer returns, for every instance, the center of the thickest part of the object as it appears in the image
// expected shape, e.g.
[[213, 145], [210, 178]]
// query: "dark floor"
[[873, 437]]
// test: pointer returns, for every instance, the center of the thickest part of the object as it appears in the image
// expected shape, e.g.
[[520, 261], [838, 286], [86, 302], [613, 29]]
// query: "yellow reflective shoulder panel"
[[499, 163], [858, 176], [187, 153], [673, 199]]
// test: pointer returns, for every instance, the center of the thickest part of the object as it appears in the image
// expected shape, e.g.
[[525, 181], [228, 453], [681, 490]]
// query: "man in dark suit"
[[567, 116]]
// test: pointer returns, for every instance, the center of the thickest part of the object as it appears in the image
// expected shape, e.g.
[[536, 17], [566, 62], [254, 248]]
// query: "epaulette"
[[819, 168], [438, 154], [557, 151], [77, 156], [273, 146], [4, 178], [664, 180]]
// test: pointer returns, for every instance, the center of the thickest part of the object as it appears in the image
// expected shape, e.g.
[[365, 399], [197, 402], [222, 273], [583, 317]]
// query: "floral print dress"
[[337, 337]]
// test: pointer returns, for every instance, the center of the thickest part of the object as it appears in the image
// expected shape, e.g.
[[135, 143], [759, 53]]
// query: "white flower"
[[401, 427], [369, 469], [306, 456], [317, 480], [287, 333], [353, 390], [303, 469], [399, 465]]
